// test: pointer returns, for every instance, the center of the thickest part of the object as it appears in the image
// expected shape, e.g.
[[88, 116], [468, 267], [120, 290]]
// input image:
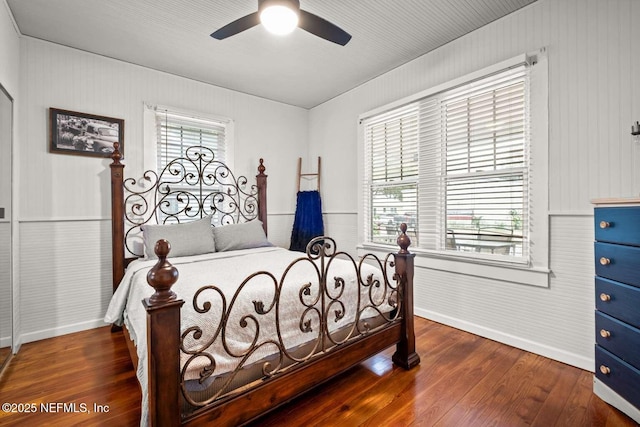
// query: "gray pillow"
[[189, 238], [245, 235]]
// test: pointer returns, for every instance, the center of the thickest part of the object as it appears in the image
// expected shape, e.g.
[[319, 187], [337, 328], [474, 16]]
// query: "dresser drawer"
[[618, 262], [618, 225], [619, 338], [618, 300], [618, 375]]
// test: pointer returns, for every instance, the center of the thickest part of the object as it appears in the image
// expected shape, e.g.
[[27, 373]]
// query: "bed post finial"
[[403, 240], [116, 155], [162, 276], [163, 341]]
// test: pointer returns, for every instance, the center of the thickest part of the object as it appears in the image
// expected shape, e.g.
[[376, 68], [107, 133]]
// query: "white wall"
[[9, 79], [594, 97], [64, 205]]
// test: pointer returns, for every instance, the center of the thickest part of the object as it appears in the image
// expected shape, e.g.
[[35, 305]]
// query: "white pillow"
[[245, 235], [189, 238]]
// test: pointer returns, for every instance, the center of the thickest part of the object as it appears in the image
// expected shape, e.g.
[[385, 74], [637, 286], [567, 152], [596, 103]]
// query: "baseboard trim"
[[60, 330], [534, 347], [5, 342]]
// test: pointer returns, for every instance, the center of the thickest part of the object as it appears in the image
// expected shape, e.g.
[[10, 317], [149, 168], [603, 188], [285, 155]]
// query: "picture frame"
[[84, 134]]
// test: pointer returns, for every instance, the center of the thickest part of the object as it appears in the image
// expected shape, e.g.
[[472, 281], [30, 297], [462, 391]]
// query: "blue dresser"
[[617, 294]]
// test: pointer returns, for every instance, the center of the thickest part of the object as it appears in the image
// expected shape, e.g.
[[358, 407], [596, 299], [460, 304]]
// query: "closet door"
[[6, 120]]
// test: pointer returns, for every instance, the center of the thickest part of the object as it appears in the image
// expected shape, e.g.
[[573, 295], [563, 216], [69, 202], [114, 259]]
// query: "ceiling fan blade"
[[237, 26], [323, 28]]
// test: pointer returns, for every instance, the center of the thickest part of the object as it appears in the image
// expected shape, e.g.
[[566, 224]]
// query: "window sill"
[[514, 272]]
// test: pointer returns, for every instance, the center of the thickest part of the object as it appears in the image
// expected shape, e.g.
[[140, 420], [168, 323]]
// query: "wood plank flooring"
[[463, 380]]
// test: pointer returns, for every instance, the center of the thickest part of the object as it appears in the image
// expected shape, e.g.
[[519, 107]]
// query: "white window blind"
[[392, 178], [176, 133], [463, 182], [486, 126]]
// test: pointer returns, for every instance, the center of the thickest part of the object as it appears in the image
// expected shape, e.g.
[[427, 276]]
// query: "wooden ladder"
[[300, 174]]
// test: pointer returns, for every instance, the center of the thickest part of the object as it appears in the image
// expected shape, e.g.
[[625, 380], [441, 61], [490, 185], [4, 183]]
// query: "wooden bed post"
[[163, 341], [405, 354], [261, 182], [117, 216]]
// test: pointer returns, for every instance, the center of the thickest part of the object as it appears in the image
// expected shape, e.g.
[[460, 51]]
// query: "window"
[[392, 161], [177, 132], [194, 141], [454, 166]]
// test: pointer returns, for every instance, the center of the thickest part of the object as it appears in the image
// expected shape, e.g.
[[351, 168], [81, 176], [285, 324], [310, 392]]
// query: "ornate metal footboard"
[[327, 343]]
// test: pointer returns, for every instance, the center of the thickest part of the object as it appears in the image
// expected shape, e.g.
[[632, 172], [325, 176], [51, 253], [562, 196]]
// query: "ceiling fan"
[[282, 17]]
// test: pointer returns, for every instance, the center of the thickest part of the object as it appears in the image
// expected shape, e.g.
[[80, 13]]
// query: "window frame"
[[534, 269]]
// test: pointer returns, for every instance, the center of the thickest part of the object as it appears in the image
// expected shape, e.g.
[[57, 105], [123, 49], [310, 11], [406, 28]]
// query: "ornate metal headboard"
[[189, 187]]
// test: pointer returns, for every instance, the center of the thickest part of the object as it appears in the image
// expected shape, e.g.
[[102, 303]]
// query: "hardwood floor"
[[463, 380]]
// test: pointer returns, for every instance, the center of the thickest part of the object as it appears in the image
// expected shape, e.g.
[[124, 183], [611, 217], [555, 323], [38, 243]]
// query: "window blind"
[[454, 163], [392, 173], [485, 176], [176, 133]]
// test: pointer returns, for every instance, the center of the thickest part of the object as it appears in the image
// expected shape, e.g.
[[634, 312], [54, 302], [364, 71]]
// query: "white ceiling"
[[299, 69]]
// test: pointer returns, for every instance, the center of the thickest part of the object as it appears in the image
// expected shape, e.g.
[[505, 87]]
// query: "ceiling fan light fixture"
[[279, 19], [282, 17]]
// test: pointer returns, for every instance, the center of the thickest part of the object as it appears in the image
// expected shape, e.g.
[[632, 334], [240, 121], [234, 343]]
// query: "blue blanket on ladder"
[[308, 222]]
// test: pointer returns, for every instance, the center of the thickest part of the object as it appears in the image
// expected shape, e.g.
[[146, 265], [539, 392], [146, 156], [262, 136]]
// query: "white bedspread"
[[226, 271]]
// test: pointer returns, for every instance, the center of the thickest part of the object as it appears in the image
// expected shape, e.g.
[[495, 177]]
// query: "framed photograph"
[[84, 134]]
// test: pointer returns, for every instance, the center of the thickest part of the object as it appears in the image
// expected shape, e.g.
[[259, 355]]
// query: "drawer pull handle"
[[605, 261], [604, 224], [605, 297], [605, 369], [604, 333]]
